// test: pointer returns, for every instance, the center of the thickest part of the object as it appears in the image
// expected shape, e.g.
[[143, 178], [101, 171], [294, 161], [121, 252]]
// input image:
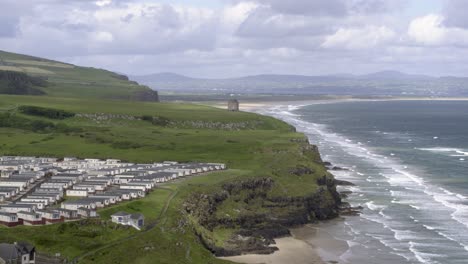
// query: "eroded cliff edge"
[[244, 215]]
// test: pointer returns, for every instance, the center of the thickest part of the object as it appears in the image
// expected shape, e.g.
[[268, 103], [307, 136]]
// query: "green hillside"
[[67, 80], [275, 178]]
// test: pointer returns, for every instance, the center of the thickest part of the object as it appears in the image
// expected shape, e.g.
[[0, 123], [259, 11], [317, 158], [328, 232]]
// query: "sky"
[[230, 38]]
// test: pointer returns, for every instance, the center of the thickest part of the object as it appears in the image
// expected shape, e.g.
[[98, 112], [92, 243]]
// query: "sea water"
[[409, 161]]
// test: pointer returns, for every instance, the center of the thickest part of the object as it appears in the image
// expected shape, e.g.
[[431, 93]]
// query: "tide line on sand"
[[310, 244]]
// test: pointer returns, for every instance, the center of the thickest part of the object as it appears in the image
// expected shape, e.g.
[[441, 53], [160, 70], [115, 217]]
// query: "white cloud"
[[430, 30], [102, 3], [239, 37], [236, 14], [427, 29], [359, 38], [103, 36]]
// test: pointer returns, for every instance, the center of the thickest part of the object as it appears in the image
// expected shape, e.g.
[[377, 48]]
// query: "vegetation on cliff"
[[275, 179], [244, 215]]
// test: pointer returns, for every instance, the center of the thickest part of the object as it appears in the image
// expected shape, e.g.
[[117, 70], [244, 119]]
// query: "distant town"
[[43, 190]]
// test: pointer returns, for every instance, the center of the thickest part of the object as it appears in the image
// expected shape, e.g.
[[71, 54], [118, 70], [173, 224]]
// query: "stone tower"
[[233, 105]]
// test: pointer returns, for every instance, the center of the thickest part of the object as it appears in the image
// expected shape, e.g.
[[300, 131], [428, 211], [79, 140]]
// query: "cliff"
[[27, 75], [245, 215], [20, 83]]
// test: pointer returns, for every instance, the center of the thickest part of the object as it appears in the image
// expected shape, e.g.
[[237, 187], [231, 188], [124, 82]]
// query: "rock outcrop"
[[269, 216]]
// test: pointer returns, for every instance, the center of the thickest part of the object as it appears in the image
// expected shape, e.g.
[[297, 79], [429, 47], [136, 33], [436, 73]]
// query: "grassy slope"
[[67, 80], [267, 151]]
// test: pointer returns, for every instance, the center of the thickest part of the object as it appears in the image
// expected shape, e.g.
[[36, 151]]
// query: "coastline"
[[390, 244], [250, 106], [309, 244]]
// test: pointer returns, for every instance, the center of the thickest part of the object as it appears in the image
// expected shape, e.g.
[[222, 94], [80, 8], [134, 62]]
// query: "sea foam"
[[419, 195]]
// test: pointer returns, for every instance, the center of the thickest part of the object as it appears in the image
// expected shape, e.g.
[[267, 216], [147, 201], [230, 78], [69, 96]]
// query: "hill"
[[66, 80], [166, 77], [384, 83], [394, 75], [275, 180]]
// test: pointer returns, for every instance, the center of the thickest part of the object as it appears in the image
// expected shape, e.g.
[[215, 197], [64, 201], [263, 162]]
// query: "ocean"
[[409, 161]]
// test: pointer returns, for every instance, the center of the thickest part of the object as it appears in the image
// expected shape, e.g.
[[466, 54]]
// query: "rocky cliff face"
[[146, 96], [19, 83], [263, 216]]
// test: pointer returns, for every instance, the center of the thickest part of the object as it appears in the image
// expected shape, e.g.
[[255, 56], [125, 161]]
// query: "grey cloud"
[[455, 13], [282, 36], [168, 18], [75, 28], [371, 7], [10, 14], [128, 18], [274, 24], [67, 26], [8, 27], [264, 23], [308, 7], [333, 8]]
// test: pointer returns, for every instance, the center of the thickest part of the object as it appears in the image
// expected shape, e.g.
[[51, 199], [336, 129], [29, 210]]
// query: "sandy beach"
[[310, 244], [252, 105]]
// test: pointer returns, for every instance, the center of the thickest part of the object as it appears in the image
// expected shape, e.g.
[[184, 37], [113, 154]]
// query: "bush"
[[156, 120], [147, 118], [9, 120], [45, 112], [160, 121]]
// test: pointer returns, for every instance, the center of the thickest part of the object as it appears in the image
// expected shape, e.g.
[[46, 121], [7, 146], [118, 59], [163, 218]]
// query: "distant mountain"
[[283, 78], [24, 74], [394, 75], [174, 77], [392, 83], [163, 77], [288, 78]]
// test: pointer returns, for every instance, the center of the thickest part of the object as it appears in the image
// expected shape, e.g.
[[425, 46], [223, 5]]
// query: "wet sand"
[[310, 244]]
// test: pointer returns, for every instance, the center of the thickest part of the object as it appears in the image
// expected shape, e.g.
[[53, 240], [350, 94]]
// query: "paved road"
[[28, 190]]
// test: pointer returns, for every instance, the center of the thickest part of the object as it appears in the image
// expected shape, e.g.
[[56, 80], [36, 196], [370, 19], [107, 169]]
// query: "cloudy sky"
[[225, 38]]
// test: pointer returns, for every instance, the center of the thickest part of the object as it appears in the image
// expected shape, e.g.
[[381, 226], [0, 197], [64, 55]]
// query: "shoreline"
[[309, 244], [250, 106], [320, 242]]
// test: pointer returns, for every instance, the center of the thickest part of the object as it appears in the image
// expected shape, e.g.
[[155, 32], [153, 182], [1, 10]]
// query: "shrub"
[[147, 118], [10, 120], [160, 121], [156, 120], [45, 112]]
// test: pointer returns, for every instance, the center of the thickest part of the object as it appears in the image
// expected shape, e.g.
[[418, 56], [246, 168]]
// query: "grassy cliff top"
[[68, 80], [274, 178], [253, 147]]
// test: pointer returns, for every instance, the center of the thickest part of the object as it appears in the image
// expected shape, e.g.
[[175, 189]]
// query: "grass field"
[[66, 80], [151, 206], [69, 239], [268, 148]]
